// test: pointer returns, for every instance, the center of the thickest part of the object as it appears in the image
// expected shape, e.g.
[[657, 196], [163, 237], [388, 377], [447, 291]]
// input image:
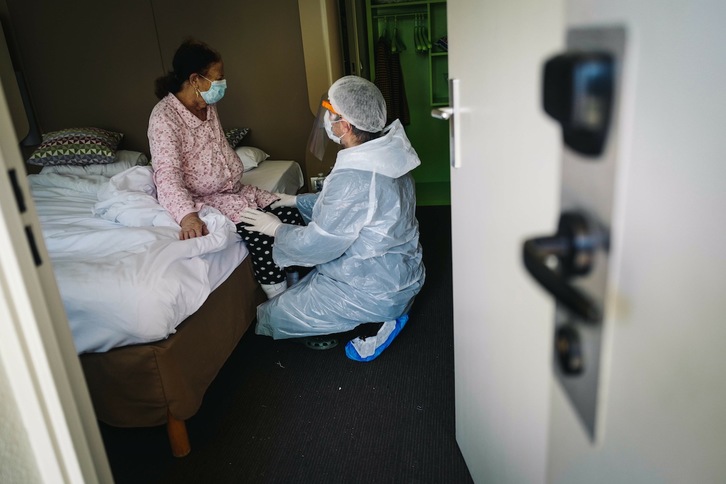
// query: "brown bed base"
[[164, 382]]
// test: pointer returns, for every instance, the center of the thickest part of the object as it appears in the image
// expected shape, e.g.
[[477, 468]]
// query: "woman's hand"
[[192, 226], [284, 201]]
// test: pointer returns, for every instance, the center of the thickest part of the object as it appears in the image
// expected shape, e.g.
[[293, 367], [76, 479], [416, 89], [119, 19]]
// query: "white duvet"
[[123, 274]]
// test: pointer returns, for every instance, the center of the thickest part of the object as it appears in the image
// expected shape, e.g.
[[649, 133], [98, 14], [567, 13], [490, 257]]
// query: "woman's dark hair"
[[191, 57]]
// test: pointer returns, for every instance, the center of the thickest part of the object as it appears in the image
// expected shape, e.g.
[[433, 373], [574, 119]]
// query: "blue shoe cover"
[[368, 349]]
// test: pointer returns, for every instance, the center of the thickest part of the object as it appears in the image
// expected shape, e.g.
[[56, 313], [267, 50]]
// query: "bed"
[[153, 318]]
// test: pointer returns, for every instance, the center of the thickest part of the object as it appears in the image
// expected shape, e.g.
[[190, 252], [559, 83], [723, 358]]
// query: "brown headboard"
[[91, 63]]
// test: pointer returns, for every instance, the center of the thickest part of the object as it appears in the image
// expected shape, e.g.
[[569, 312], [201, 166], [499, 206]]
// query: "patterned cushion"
[[76, 146], [235, 135]]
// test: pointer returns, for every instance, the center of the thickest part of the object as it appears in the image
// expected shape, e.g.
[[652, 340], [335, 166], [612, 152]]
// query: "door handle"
[[452, 115], [553, 260], [442, 113]]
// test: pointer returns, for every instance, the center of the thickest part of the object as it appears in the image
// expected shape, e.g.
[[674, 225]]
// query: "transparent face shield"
[[318, 140]]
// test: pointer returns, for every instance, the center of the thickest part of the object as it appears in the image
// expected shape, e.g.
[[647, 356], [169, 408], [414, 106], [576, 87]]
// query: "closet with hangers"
[[408, 61]]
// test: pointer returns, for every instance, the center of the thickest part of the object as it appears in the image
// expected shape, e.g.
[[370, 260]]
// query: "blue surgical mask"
[[215, 92], [329, 128]]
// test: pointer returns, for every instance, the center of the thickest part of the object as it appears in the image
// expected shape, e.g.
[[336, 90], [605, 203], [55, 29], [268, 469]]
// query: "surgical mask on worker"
[[215, 92], [329, 128]]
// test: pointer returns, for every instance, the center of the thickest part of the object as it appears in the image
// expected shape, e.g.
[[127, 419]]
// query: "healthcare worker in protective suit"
[[361, 235]]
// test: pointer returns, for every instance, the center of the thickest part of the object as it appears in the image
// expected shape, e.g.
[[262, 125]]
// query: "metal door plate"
[[588, 186]]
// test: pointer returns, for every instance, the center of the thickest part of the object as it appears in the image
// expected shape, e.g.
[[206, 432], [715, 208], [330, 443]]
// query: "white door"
[[661, 414], [47, 425], [505, 190]]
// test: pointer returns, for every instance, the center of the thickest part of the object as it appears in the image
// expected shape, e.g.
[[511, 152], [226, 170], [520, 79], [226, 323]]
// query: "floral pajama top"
[[194, 165]]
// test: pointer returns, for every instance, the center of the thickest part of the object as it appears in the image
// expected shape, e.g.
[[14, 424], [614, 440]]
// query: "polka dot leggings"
[[260, 246]]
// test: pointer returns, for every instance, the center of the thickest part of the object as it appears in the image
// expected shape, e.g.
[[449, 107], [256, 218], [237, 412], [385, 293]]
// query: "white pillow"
[[124, 160], [251, 157]]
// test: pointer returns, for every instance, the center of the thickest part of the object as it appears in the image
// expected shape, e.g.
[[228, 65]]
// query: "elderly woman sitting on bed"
[[194, 165]]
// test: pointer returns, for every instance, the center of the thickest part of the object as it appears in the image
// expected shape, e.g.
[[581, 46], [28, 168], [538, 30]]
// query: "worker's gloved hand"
[[262, 222], [284, 201]]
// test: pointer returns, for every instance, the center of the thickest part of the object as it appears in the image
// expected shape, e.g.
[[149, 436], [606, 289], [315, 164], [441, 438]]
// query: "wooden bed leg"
[[178, 437]]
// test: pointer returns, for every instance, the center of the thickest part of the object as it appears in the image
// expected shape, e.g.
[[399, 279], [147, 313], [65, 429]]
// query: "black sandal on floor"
[[320, 342]]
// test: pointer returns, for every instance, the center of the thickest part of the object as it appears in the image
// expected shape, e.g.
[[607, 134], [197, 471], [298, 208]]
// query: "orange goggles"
[[329, 107]]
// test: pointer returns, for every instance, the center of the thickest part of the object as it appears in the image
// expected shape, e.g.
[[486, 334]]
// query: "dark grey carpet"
[[281, 413]]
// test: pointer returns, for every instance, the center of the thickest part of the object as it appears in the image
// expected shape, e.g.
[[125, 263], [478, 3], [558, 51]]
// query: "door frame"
[[42, 371]]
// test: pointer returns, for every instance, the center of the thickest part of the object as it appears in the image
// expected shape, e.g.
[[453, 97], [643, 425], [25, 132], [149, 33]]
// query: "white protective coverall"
[[362, 237]]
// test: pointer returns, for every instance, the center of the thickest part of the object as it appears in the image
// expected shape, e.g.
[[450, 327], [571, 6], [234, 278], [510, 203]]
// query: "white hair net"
[[359, 101]]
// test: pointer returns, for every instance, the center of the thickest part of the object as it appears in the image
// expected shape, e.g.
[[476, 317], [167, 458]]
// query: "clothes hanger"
[[397, 45], [384, 33], [394, 43], [426, 36], [417, 32], [421, 33]]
